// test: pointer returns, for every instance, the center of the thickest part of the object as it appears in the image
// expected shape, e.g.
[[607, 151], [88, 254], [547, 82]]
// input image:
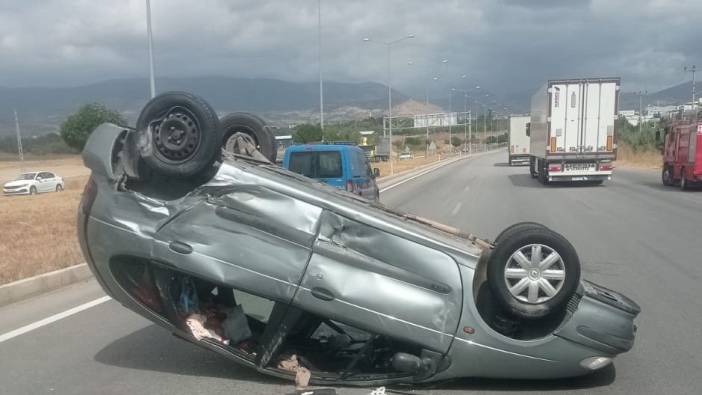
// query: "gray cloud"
[[505, 46]]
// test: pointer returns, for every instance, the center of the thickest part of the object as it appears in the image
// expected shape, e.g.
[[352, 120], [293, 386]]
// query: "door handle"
[[323, 294], [180, 247]]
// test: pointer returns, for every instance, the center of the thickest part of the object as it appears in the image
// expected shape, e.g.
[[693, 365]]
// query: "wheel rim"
[[177, 135], [232, 144], [534, 273]]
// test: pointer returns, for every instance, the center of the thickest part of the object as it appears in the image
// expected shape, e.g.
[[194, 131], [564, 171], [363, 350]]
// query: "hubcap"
[[534, 273], [176, 136]]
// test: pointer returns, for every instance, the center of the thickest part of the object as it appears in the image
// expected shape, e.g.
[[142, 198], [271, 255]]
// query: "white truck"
[[518, 146], [572, 130]]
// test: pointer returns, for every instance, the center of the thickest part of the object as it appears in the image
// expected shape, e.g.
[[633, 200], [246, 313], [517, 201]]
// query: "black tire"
[[532, 168], [179, 134], [33, 190], [253, 126], [683, 180], [509, 161], [518, 225], [667, 176], [543, 178], [521, 239]]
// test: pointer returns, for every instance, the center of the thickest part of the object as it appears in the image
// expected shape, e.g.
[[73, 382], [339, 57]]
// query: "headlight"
[[594, 363]]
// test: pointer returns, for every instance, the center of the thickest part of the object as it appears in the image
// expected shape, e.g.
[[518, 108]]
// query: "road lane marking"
[[48, 320], [455, 209], [418, 175]]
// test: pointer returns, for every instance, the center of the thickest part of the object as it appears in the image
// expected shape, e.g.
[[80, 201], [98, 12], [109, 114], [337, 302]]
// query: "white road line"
[[416, 175], [48, 320], [455, 209]]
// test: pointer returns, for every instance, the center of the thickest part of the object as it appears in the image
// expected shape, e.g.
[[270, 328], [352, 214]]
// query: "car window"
[[303, 163], [359, 165], [316, 164], [48, 175], [329, 165], [26, 176]]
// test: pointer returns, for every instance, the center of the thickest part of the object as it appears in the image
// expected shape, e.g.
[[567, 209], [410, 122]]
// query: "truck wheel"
[[520, 226], [543, 178], [683, 179], [532, 168], [254, 127], [667, 176], [179, 134], [509, 161], [533, 271]]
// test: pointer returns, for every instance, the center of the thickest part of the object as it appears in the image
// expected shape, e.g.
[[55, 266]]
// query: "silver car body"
[[264, 230]]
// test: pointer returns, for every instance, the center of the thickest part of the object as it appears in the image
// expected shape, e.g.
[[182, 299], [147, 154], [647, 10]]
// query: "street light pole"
[[450, 121], [319, 65], [152, 83], [692, 69], [19, 141], [388, 46]]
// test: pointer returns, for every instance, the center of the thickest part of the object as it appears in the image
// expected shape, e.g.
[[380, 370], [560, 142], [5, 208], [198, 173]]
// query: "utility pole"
[[641, 107], [450, 121], [19, 141], [319, 65], [465, 126], [692, 69], [152, 83]]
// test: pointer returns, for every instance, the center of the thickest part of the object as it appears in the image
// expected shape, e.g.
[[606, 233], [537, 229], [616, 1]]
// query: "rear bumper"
[[519, 158], [604, 320], [580, 176]]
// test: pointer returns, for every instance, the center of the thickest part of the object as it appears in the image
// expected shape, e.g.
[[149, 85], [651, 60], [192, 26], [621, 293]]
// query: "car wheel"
[[254, 127], [179, 134], [33, 190], [518, 225], [683, 179], [533, 271], [666, 176], [59, 187]]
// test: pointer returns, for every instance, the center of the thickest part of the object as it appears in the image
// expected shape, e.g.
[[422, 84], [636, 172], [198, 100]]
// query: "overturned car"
[[229, 251]]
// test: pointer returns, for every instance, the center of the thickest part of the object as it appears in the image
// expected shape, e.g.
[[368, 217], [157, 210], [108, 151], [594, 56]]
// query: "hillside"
[[42, 109]]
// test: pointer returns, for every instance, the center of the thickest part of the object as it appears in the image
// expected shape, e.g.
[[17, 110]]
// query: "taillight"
[[606, 166], [554, 167], [89, 195], [349, 186]]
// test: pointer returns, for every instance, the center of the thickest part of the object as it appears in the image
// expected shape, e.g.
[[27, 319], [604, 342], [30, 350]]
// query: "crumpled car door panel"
[[382, 283], [259, 244]]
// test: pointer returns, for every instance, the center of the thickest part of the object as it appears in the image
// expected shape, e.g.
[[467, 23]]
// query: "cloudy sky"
[[503, 45]]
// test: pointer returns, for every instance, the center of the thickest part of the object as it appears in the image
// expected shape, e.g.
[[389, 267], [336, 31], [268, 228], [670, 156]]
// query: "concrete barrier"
[[28, 287]]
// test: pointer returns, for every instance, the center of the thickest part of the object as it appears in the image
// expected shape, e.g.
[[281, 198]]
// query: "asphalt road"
[[632, 235]]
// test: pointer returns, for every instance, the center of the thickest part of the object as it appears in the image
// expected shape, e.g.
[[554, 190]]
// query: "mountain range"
[[41, 109]]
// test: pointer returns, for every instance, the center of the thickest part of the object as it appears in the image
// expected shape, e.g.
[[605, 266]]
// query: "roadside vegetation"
[[636, 147]]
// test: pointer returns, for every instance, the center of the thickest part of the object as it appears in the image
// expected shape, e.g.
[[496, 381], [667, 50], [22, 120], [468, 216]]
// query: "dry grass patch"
[[627, 157], [405, 165], [38, 233]]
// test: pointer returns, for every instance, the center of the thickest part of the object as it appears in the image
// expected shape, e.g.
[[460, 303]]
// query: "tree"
[[456, 141], [307, 133], [77, 127]]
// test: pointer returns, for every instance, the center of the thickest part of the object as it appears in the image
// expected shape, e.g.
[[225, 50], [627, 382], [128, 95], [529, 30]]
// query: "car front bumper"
[[16, 191]]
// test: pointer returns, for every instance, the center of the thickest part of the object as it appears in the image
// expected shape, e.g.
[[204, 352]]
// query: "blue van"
[[341, 166]]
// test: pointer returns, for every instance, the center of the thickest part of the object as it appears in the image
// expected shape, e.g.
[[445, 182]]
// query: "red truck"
[[682, 152]]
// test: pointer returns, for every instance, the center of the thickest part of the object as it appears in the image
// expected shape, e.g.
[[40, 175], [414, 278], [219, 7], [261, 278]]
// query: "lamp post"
[[152, 83], [319, 65], [388, 46], [450, 120]]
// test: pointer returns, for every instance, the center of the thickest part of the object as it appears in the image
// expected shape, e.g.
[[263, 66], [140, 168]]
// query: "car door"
[[251, 238], [382, 283], [43, 182], [50, 181]]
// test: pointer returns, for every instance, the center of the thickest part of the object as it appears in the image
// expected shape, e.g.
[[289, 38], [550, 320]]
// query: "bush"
[[77, 127]]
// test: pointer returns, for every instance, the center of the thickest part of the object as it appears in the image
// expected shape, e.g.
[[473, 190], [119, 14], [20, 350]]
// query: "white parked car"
[[33, 183]]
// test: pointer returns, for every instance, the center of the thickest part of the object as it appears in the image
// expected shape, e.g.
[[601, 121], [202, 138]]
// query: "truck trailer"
[[573, 131], [518, 147]]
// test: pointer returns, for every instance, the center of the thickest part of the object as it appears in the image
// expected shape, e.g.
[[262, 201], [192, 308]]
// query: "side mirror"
[[528, 129], [376, 172]]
